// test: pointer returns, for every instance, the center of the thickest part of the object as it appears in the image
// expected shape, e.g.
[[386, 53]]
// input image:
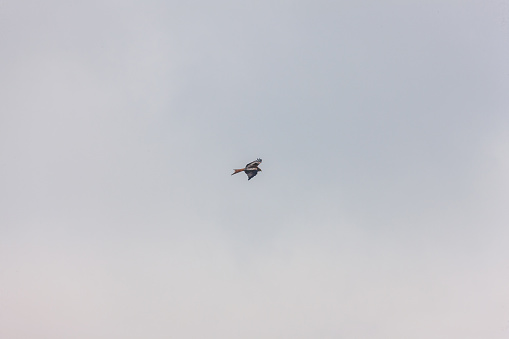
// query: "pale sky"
[[382, 208]]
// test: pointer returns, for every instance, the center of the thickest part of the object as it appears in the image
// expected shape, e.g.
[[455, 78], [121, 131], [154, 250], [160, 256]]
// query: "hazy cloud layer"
[[381, 211]]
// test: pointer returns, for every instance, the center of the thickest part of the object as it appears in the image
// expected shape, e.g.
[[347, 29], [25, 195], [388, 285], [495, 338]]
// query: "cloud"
[[380, 211]]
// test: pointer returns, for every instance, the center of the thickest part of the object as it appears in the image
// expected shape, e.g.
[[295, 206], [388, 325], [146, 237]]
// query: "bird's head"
[[259, 169]]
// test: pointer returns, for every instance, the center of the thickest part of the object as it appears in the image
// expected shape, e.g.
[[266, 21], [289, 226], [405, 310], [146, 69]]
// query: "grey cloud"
[[380, 211]]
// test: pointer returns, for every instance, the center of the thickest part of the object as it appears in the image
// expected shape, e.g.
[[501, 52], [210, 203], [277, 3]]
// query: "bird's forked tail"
[[238, 171]]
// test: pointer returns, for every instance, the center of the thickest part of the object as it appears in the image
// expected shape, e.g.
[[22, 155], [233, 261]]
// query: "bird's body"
[[251, 169]]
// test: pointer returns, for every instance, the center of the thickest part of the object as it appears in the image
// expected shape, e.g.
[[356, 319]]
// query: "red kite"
[[251, 169]]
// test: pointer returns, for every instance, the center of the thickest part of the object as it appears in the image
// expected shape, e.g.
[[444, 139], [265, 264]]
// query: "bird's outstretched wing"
[[251, 173], [253, 164]]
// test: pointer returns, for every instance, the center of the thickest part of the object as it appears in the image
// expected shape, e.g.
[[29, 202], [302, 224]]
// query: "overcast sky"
[[382, 208]]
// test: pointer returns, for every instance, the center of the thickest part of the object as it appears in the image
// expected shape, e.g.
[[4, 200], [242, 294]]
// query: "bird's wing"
[[251, 173], [254, 164]]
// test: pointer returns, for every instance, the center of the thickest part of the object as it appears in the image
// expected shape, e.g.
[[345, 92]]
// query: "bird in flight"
[[251, 169]]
